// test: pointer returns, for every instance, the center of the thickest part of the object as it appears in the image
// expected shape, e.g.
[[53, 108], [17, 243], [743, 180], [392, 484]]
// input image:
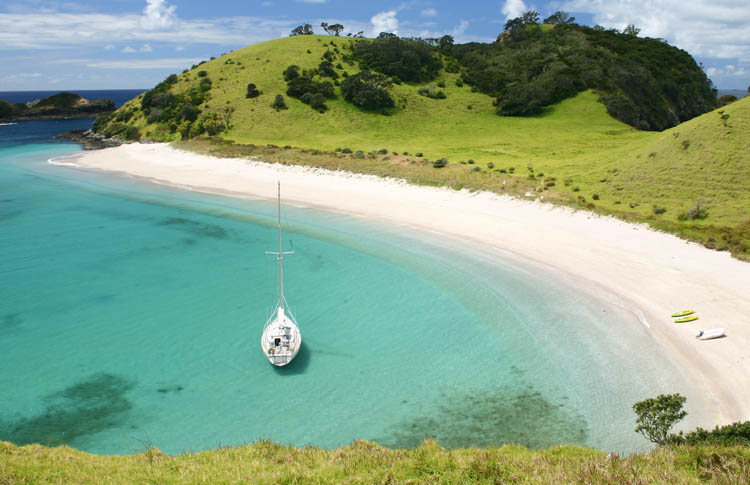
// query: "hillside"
[[572, 152]]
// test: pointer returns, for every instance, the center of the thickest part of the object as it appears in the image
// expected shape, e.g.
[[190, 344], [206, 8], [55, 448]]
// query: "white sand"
[[655, 272]]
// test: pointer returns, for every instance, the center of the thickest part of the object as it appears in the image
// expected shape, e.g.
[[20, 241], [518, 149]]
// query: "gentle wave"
[[7, 124], [57, 161]]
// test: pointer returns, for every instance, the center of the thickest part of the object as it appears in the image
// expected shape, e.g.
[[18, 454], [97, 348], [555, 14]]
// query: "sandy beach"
[[656, 273]]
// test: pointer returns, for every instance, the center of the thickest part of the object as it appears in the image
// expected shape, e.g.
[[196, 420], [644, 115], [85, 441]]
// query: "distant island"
[[58, 106]]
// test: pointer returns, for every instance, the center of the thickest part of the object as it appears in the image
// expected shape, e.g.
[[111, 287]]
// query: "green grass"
[[597, 162], [366, 463]]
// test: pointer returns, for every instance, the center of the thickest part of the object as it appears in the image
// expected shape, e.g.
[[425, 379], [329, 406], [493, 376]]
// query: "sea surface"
[[131, 315]]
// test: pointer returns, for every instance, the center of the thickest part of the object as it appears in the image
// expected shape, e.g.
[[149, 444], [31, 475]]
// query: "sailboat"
[[281, 338]]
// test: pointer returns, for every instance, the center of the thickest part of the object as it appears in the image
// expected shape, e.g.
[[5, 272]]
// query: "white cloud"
[[146, 48], [730, 70], [172, 63], [429, 12], [514, 8], [127, 50], [384, 22], [311, 1], [158, 15], [706, 28], [459, 30], [60, 30], [109, 47], [266, 4]]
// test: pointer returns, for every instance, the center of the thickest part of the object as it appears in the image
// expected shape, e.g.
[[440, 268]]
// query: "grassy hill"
[[363, 462], [573, 153]]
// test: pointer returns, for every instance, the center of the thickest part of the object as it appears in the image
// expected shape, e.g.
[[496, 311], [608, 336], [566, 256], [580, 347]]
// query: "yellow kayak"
[[686, 319], [682, 313]]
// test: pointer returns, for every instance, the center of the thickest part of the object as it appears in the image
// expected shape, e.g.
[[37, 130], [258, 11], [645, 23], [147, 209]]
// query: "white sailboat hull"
[[710, 334], [281, 339]]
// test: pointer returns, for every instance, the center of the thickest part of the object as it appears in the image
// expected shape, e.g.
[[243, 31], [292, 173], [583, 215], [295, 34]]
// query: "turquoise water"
[[130, 316]]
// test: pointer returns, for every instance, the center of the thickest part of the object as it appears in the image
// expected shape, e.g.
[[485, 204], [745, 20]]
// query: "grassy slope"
[[575, 141], [364, 462]]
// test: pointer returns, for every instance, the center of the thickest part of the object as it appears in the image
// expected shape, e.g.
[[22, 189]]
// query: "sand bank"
[[656, 273]]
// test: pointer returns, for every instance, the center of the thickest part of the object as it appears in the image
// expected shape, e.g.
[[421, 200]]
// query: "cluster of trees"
[[408, 59], [368, 90], [8, 110], [334, 29], [643, 82], [303, 86]]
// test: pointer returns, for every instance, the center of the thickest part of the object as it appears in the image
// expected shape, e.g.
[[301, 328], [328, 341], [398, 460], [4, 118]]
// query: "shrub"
[[698, 211], [656, 416], [418, 154], [325, 69], [659, 210], [595, 196], [279, 103], [315, 100], [735, 434], [440, 163], [101, 121], [252, 91], [490, 165], [459, 83], [205, 85], [470, 161], [188, 112], [383, 151], [476, 169], [202, 73], [359, 154], [346, 150]]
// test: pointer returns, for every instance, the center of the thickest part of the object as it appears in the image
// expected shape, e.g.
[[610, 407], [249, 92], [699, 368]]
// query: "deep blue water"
[[130, 315]]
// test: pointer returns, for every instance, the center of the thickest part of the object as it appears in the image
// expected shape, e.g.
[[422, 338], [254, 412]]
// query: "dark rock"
[[90, 140]]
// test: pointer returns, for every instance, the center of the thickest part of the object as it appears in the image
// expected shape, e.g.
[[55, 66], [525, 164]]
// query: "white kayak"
[[709, 334]]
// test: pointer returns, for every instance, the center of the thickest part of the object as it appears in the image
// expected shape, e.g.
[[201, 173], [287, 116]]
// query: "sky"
[[129, 44]]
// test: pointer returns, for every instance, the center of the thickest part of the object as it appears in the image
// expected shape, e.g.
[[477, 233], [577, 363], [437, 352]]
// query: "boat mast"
[[280, 253]]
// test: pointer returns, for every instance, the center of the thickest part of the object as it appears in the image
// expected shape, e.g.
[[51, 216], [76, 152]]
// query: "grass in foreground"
[[364, 462]]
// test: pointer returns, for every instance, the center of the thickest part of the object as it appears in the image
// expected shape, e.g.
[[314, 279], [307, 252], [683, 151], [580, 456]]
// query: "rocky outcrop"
[[90, 140]]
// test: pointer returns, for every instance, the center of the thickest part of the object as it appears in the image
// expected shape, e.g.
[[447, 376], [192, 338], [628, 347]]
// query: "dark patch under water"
[[10, 322], [196, 228], [83, 409], [492, 418], [167, 389]]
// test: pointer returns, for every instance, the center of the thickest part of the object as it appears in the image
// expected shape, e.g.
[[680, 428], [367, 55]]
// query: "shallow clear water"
[[130, 316]]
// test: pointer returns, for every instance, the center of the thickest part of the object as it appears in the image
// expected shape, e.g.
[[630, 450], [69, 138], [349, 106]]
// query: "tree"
[[368, 90], [631, 30], [302, 30], [530, 17], [226, 116], [656, 416], [335, 29], [291, 72], [324, 26], [560, 18], [445, 42]]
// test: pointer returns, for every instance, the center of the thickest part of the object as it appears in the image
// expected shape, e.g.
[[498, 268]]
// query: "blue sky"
[[85, 44]]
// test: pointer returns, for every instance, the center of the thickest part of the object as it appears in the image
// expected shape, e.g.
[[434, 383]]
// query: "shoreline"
[[654, 272]]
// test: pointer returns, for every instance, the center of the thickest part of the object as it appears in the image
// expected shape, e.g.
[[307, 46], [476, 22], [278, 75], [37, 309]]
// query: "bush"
[[595, 196], [252, 91], [316, 101], [418, 154], [490, 165], [383, 151], [432, 92], [188, 112], [359, 154], [132, 133], [205, 85], [440, 163], [291, 72], [698, 211], [279, 103], [656, 416], [346, 150], [202, 73], [368, 90], [101, 121], [659, 210], [735, 434], [459, 83]]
